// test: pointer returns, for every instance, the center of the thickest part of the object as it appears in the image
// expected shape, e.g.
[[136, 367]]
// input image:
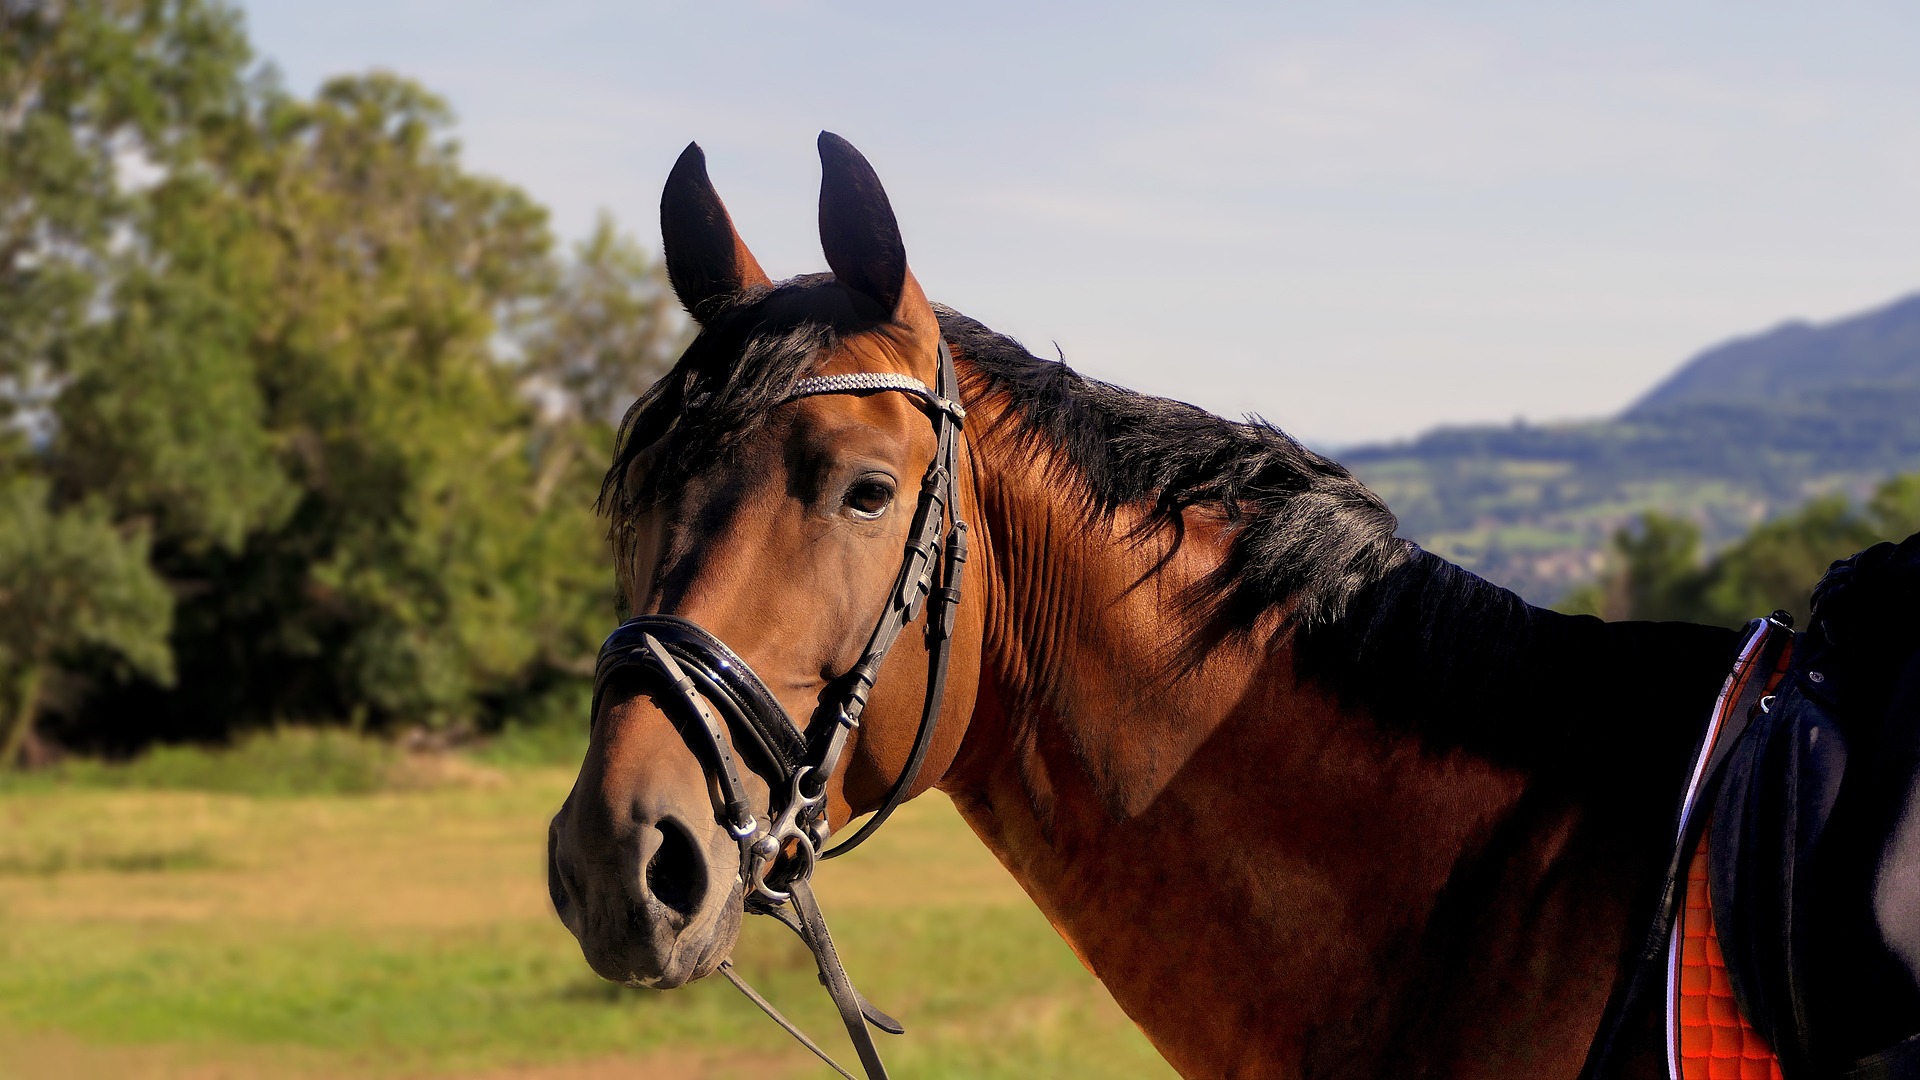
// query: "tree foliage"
[[605, 333], [1659, 572], [303, 364], [89, 91], [70, 581]]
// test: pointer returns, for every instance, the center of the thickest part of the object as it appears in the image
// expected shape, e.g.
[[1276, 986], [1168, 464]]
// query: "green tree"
[[69, 580], [606, 332], [1777, 564], [1659, 572], [301, 367], [300, 387], [1894, 509], [88, 89]]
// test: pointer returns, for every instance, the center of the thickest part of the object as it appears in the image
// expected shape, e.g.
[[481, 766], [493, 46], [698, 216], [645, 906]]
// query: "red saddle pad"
[[1716, 1042]]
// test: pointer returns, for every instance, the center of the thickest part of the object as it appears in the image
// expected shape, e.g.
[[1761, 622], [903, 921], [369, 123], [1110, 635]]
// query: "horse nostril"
[[675, 875]]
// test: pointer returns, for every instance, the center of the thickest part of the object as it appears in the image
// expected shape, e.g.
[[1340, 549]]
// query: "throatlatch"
[[778, 855]]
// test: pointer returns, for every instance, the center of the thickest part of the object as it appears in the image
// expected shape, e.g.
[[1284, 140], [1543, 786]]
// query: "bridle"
[[778, 855]]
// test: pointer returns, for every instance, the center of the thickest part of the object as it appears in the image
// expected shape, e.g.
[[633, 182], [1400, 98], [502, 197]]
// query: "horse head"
[[775, 524]]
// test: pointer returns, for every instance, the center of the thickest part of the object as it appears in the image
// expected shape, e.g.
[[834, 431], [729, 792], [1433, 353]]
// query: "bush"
[[550, 730], [288, 761]]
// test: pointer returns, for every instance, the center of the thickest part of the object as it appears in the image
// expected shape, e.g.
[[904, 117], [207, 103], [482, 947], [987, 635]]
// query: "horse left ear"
[[707, 262], [857, 226]]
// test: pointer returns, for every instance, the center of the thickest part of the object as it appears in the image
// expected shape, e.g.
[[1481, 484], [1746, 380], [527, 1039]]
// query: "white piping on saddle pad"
[[1728, 694]]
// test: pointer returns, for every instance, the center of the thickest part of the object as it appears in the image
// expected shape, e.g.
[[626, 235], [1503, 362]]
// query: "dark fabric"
[[1862, 963], [1859, 967], [1633, 1025], [1817, 833], [1815, 864], [1769, 867], [1901, 1062]]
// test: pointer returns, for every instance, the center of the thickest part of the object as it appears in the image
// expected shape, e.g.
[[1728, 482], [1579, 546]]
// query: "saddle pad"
[[1716, 1042]]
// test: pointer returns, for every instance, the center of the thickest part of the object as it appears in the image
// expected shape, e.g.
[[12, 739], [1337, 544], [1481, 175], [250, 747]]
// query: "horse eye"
[[869, 498]]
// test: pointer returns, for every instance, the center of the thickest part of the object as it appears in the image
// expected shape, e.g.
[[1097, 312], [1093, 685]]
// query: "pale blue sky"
[[1359, 220]]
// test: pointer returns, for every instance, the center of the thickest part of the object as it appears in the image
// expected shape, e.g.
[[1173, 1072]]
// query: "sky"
[[1359, 221]]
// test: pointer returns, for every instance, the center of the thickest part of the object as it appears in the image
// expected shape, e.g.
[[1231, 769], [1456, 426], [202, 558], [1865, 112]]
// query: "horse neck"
[[1300, 851]]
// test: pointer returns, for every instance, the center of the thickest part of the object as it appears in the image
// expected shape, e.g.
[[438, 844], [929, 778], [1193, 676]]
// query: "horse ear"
[[857, 227], [707, 261]]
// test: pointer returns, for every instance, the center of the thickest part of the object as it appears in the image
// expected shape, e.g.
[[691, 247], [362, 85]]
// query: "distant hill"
[[1875, 352], [1742, 431]]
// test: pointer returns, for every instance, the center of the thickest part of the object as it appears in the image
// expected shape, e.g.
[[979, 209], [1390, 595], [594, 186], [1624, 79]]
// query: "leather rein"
[[778, 854]]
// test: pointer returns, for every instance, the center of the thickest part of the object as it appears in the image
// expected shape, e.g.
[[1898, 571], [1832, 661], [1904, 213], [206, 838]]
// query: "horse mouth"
[[711, 955], [696, 950]]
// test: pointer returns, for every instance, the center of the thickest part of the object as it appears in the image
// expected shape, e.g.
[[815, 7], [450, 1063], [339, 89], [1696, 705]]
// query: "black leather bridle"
[[778, 855]]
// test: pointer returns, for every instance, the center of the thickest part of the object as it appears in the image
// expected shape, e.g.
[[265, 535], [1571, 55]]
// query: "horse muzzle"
[[639, 871]]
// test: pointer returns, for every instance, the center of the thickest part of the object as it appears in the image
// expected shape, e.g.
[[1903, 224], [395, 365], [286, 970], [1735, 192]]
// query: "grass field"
[[198, 935]]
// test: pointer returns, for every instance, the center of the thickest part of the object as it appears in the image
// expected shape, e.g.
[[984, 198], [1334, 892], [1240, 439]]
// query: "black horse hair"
[[1375, 619], [1306, 533]]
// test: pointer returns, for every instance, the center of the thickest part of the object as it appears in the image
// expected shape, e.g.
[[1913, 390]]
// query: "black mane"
[[1424, 644], [1425, 647], [1306, 534]]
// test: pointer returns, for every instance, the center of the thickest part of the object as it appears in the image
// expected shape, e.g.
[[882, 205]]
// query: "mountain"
[[1739, 433], [1874, 352]]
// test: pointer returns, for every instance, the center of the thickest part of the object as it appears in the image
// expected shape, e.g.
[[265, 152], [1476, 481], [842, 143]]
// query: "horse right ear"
[[707, 261]]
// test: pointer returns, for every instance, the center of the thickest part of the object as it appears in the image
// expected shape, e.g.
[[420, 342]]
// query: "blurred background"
[[315, 321]]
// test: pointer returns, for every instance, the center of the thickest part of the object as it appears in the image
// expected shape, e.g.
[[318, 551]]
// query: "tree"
[[1660, 573], [608, 330], [87, 89], [69, 580], [280, 347], [593, 345], [300, 388]]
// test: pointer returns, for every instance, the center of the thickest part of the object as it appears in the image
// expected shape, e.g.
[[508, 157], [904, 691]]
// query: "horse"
[[1308, 799]]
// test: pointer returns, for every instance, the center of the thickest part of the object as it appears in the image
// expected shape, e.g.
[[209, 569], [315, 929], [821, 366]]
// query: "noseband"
[[778, 855]]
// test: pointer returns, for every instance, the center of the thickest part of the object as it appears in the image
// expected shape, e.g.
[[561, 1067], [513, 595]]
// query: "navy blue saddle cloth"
[[1815, 868], [1815, 861]]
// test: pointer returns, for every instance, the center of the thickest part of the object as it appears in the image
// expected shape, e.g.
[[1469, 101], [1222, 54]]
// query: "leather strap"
[[881, 1020], [945, 600], [777, 859], [726, 968], [733, 808], [834, 977], [856, 1012], [732, 686]]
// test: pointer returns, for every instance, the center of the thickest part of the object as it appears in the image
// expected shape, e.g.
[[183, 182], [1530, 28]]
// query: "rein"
[[778, 855]]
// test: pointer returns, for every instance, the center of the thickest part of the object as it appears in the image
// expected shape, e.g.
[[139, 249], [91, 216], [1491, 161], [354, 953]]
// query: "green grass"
[[520, 993], [286, 762], [407, 933]]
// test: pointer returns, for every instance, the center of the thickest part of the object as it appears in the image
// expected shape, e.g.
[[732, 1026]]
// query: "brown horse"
[[1308, 800]]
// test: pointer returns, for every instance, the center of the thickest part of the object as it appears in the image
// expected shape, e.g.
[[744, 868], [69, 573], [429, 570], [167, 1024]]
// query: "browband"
[[864, 381]]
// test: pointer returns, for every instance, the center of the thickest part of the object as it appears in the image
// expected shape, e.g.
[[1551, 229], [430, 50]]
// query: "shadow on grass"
[[65, 861]]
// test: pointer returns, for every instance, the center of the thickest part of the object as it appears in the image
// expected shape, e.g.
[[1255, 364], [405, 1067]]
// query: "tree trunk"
[[22, 722]]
